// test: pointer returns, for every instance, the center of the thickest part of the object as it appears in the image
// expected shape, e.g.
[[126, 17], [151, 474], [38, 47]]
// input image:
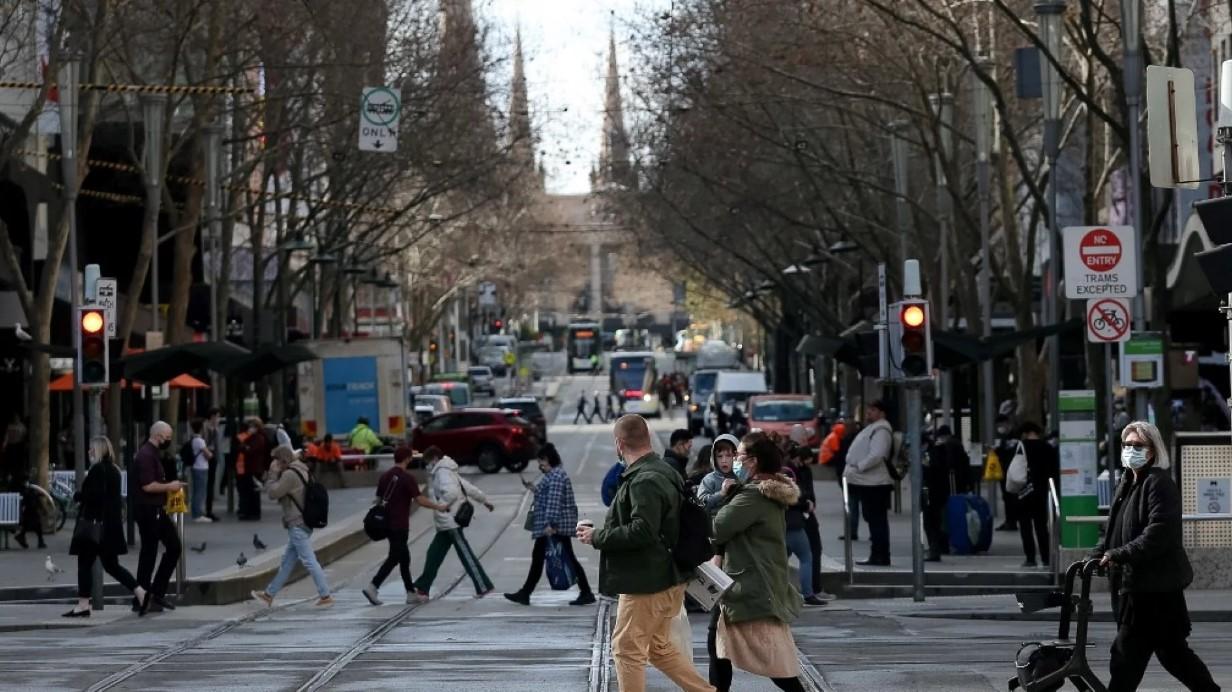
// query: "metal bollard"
[[179, 567]]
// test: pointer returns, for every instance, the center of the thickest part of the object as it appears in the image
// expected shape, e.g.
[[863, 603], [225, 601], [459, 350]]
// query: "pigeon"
[[256, 542], [197, 548], [51, 568], [241, 560]]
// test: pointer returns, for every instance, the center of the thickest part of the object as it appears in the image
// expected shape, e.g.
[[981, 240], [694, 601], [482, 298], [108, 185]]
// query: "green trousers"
[[437, 551]]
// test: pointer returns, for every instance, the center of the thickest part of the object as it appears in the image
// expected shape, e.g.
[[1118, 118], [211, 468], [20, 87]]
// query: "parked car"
[[437, 403], [780, 412], [528, 406], [459, 393], [482, 379], [486, 437]]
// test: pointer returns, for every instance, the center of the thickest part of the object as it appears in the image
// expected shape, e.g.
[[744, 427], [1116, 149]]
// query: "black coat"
[[1043, 463], [681, 464], [1144, 538], [101, 501]]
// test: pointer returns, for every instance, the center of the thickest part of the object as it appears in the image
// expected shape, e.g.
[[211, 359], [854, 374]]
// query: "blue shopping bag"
[[560, 572]]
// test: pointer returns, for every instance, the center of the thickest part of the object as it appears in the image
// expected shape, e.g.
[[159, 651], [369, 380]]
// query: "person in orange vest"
[[327, 456], [832, 443]]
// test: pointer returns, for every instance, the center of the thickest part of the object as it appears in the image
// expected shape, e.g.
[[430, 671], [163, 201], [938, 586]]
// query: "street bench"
[[10, 516]]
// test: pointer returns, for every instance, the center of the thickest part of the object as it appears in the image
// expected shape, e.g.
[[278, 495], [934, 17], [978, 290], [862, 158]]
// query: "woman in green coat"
[[750, 533]]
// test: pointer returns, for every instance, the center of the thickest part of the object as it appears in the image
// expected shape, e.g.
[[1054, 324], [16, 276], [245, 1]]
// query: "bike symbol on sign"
[[1108, 320]]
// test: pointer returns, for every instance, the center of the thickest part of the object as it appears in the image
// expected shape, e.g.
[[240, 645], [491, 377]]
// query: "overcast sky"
[[565, 43]]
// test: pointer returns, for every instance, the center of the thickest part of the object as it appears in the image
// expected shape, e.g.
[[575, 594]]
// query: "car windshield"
[[782, 411], [480, 372], [530, 408], [703, 382]]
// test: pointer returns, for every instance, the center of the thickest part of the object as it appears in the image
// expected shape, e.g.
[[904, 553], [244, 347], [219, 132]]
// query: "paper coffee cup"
[[587, 523]]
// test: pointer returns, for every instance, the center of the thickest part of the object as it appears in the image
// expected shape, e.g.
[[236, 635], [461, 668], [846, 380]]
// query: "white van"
[[733, 388]]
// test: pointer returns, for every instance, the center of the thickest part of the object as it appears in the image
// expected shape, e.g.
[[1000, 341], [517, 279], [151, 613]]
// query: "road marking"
[[601, 648], [586, 453]]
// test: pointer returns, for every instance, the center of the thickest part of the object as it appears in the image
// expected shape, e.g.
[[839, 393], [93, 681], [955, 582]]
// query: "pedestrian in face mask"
[[155, 527], [1149, 568]]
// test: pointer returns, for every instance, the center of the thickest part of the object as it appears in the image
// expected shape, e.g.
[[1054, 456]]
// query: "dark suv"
[[528, 406], [486, 437]]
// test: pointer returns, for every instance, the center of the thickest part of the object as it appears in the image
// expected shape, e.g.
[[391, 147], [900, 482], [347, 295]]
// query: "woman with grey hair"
[[1149, 568], [100, 530]]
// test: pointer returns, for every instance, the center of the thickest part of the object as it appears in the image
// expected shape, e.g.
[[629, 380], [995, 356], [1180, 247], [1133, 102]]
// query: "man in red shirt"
[[397, 488]]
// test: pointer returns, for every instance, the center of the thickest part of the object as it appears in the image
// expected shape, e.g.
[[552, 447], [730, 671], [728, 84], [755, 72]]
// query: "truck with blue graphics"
[[353, 379]]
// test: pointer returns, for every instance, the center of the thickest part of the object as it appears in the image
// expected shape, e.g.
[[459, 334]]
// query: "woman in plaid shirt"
[[556, 517]]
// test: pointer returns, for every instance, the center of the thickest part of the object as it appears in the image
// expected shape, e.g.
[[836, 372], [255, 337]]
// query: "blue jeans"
[[299, 547], [200, 488], [798, 545]]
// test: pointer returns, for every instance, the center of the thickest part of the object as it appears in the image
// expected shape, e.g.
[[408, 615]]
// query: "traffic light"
[[497, 324], [92, 366], [910, 340]]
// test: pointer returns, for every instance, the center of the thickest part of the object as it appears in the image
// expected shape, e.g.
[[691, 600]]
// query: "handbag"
[[87, 532], [560, 572], [1016, 475], [529, 524], [465, 511], [376, 521], [682, 633]]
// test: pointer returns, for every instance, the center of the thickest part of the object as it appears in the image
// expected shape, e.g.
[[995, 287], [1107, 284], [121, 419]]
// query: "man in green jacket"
[[363, 438], [636, 562]]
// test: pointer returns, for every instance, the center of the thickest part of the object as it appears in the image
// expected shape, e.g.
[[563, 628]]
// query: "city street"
[[458, 642]]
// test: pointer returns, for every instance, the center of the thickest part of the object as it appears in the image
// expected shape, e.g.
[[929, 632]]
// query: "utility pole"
[[1049, 13], [943, 107], [983, 152], [1131, 15], [69, 81]]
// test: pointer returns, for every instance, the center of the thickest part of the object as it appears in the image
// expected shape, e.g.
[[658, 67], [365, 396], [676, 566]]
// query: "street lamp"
[[1049, 13], [1131, 38], [898, 153], [842, 247], [68, 85], [212, 135], [982, 114], [153, 110]]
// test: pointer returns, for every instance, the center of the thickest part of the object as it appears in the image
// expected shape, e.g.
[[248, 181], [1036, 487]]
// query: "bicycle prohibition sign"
[[1108, 320]]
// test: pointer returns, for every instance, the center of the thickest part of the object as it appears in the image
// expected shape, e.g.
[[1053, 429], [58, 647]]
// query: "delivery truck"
[[353, 379]]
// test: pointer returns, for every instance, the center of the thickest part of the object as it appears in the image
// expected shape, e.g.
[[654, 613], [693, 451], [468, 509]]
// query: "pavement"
[[457, 641]]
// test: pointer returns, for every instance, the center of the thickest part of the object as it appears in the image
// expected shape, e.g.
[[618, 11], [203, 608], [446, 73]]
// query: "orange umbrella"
[[64, 383]]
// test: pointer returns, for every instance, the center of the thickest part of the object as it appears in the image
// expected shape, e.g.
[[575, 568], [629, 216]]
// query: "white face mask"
[[1133, 458]]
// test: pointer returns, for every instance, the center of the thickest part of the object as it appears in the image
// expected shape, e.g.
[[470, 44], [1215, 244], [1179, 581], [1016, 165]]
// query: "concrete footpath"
[[212, 573]]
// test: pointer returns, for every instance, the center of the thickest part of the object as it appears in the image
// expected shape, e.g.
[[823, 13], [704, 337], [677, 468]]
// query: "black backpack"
[[186, 456], [316, 502], [693, 540]]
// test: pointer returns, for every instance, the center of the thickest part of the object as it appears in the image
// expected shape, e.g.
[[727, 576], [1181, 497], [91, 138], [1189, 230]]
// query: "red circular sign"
[[1108, 320], [1100, 250]]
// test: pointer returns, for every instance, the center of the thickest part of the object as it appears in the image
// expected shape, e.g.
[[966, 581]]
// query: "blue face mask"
[[741, 471], [1133, 458]]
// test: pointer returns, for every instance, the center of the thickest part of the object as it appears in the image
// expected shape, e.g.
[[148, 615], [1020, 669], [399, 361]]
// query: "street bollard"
[[179, 566]]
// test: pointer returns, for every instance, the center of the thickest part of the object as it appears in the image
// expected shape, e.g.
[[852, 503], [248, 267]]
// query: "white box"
[[708, 584]]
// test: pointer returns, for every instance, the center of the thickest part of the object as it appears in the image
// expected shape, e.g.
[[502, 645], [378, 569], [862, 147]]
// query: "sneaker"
[[1028, 563], [583, 599], [814, 601], [370, 593], [826, 596], [412, 598], [324, 602], [420, 596], [485, 592], [518, 597], [264, 597], [203, 520]]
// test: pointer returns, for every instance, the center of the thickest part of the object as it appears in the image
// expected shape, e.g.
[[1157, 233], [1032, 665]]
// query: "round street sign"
[[1108, 320], [1100, 250], [381, 106]]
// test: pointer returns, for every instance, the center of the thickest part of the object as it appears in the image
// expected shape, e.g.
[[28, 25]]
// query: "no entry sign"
[[1108, 320], [1100, 261]]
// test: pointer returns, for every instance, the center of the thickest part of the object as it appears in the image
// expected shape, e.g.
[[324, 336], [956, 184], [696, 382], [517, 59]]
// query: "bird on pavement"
[[256, 542], [198, 548], [241, 560], [51, 568]]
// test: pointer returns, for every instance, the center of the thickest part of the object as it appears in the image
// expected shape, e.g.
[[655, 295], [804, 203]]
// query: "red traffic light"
[[91, 322], [498, 324]]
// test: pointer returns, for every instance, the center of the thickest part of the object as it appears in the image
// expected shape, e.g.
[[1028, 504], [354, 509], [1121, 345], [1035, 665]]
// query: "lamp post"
[[982, 111], [316, 261], [153, 110], [943, 108], [1049, 13], [898, 153], [213, 162], [68, 84], [1131, 28]]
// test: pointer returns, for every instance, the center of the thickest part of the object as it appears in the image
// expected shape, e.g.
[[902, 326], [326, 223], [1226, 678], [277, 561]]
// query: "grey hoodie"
[[712, 484]]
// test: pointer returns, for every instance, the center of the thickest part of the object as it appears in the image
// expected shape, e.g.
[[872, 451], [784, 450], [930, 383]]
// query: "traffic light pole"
[[912, 441]]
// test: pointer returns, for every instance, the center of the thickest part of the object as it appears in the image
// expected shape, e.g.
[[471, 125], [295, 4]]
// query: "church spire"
[[522, 143], [614, 165]]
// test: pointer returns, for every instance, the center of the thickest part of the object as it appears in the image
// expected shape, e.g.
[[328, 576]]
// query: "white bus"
[[633, 375]]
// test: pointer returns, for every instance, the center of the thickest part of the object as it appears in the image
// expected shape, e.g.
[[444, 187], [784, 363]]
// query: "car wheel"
[[516, 466], [489, 459]]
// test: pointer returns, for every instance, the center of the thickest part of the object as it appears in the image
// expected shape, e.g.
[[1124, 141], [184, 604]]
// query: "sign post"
[[379, 111], [1079, 461], [1142, 362]]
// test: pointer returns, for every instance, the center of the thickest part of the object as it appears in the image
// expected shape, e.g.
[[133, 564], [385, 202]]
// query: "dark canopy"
[[267, 360], [162, 364]]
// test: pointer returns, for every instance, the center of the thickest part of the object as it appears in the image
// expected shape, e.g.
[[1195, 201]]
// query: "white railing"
[[10, 509]]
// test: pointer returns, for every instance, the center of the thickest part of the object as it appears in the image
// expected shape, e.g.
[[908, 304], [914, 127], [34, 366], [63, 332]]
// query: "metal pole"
[[69, 77], [1051, 307], [943, 104], [96, 570], [898, 152], [179, 566], [1133, 89], [983, 139], [917, 484], [153, 111]]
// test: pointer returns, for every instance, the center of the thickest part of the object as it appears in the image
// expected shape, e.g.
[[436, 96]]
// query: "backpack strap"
[[304, 482]]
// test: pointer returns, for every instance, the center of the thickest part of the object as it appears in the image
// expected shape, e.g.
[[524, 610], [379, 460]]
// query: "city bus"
[[633, 375], [582, 341]]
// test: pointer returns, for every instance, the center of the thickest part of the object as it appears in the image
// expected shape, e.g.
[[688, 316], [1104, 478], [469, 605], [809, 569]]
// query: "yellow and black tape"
[[141, 88]]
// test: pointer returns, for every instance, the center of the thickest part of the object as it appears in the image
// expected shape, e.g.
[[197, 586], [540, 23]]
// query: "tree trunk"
[[182, 275]]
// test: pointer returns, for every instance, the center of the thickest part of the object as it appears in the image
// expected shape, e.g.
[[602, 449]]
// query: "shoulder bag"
[[1016, 475], [465, 511], [376, 521]]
